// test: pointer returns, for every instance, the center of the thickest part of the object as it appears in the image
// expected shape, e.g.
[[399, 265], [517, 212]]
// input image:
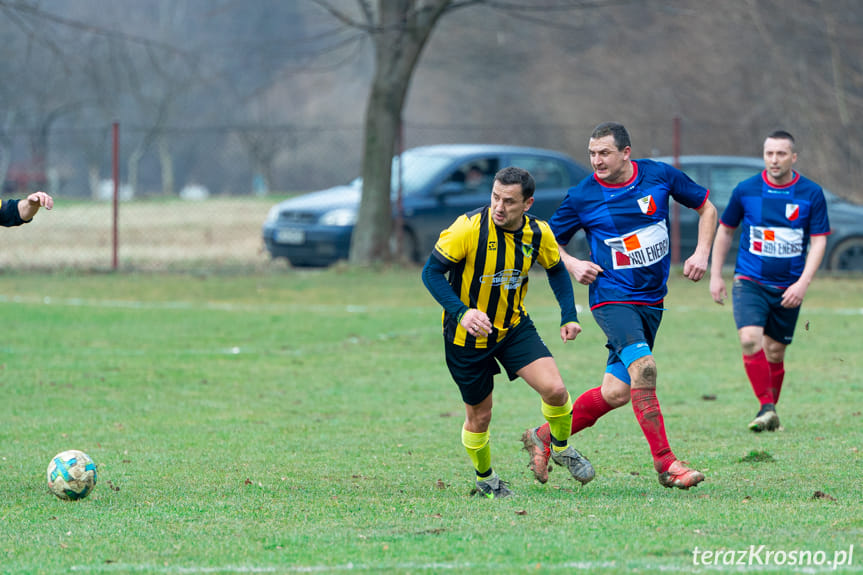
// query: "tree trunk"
[[166, 162], [133, 162], [401, 34]]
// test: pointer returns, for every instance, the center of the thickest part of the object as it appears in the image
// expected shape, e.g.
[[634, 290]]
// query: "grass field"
[[157, 234], [306, 423]]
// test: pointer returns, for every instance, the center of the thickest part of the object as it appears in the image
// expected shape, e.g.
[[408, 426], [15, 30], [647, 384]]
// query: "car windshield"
[[417, 170]]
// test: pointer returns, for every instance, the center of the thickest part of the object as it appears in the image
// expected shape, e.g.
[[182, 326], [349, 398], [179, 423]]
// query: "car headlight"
[[272, 215], [339, 217]]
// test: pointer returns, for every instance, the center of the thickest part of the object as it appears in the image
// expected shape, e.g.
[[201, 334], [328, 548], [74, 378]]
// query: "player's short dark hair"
[[782, 135], [512, 175], [621, 136]]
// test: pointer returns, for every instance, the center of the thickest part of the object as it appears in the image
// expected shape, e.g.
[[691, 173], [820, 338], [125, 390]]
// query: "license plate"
[[290, 236]]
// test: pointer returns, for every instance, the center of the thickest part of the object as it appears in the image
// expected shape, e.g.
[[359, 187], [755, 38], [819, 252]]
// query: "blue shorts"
[[474, 369], [631, 330], [760, 305]]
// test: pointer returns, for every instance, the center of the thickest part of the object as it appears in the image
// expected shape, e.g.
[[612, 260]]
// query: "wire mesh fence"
[[199, 197]]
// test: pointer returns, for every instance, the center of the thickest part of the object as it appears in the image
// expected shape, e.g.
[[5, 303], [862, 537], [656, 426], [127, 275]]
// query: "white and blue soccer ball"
[[71, 475]]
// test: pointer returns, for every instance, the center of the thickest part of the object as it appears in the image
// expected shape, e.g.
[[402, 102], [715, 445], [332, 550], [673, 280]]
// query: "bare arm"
[[721, 245], [28, 207], [794, 294], [695, 265]]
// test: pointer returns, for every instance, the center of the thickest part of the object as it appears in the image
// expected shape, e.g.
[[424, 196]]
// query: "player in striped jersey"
[[782, 242], [478, 272], [624, 210], [17, 212]]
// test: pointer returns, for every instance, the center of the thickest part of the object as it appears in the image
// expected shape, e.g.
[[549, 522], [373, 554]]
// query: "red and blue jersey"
[[627, 229], [777, 224]]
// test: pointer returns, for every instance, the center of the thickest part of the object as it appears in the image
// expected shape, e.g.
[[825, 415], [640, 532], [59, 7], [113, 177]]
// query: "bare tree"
[[399, 30]]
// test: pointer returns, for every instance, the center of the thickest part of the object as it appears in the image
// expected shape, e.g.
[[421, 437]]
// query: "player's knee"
[[555, 394], [615, 392], [774, 351], [478, 422], [749, 345], [751, 340], [618, 397], [643, 372]]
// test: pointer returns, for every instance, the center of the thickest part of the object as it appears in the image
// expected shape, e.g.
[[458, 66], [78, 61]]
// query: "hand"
[[569, 331], [793, 295], [476, 323], [584, 272], [717, 289], [41, 199], [695, 267]]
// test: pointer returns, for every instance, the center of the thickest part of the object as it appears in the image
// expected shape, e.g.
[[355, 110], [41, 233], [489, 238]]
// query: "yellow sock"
[[559, 418], [478, 449]]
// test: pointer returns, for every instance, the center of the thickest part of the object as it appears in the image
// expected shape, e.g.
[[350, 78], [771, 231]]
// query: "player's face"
[[779, 158], [609, 164], [508, 205]]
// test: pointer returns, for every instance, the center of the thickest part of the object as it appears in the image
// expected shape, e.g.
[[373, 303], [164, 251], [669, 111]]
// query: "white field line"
[[585, 566]]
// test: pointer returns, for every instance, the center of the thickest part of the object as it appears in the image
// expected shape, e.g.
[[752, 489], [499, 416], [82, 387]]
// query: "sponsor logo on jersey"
[[506, 279], [641, 248], [647, 205], [775, 242], [792, 211]]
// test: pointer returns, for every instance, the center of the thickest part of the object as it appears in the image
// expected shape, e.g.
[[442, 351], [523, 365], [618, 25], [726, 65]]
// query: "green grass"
[[306, 422]]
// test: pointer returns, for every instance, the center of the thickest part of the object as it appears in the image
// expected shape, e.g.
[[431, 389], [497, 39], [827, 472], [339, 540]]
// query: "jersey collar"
[[777, 186], [605, 184]]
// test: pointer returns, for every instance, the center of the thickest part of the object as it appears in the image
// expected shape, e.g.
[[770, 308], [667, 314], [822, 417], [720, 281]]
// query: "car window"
[[723, 180], [547, 172], [416, 171], [476, 175]]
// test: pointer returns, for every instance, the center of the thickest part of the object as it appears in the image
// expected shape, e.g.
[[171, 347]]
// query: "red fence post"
[[116, 176], [675, 207]]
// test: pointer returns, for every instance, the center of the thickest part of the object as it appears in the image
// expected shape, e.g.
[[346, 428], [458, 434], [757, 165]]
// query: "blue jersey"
[[627, 229], [777, 223]]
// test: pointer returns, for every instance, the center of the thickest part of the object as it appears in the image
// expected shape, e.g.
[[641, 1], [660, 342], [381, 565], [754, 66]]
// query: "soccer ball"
[[71, 475]]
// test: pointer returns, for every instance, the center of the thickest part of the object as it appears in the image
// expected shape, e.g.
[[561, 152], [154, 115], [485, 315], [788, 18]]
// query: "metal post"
[[116, 176], [675, 207]]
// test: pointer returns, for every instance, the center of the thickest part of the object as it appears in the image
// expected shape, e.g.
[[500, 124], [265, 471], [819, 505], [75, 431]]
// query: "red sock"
[[759, 375], [589, 407], [777, 375], [649, 416]]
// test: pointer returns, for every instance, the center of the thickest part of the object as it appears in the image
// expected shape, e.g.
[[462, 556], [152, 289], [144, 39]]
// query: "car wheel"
[[847, 256], [307, 263]]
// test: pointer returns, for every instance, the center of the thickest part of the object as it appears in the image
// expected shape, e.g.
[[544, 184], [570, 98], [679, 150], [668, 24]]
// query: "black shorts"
[[474, 369], [628, 328], [760, 305]]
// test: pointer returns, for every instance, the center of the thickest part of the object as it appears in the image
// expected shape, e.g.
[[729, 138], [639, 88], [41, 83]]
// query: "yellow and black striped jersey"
[[491, 270]]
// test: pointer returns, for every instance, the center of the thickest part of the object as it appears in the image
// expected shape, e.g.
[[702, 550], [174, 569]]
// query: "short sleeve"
[[549, 254], [451, 244]]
